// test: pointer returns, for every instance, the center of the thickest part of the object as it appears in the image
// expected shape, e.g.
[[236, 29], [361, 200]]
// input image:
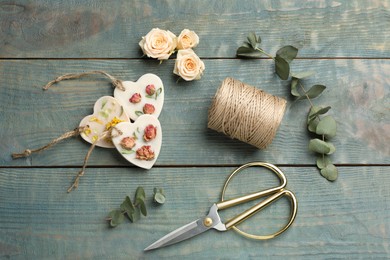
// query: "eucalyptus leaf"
[[282, 68], [313, 92], [127, 206], [320, 111], [327, 126], [288, 53], [247, 52], [159, 198], [331, 147], [294, 90], [303, 74], [252, 39], [323, 161], [142, 207], [312, 126], [135, 216], [319, 146], [140, 194], [330, 172], [116, 217]]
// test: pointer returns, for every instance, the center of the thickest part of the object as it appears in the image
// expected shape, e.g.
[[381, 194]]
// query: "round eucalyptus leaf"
[[294, 85], [330, 172], [323, 161], [282, 68], [319, 146], [288, 53], [327, 126], [116, 217], [159, 198]]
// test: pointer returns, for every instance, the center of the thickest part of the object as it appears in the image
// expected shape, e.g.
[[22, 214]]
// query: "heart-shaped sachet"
[[139, 142], [107, 112], [146, 96]]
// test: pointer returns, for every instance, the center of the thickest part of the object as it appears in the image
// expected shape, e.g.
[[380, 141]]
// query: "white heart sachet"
[[146, 96], [139, 142], [107, 112]]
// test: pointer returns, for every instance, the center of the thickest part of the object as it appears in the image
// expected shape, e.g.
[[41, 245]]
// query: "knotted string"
[[115, 82], [246, 113], [66, 135]]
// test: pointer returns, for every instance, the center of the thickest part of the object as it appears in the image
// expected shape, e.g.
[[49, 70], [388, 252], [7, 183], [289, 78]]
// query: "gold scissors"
[[213, 220]]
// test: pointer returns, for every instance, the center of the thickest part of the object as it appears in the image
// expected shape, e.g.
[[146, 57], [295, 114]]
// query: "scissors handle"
[[277, 193], [224, 204], [253, 210]]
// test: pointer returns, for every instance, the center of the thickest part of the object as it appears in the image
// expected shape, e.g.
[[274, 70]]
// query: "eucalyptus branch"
[[323, 126]]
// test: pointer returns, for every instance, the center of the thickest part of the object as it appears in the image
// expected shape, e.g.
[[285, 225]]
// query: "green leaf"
[[312, 126], [303, 74], [327, 126], [127, 151], [294, 90], [252, 40], [288, 53], [115, 217], [319, 146], [140, 194], [139, 113], [313, 92], [282, 68], [323, 161], [330, 172], [331, 147], [142, 207], [248, 52], [135, 216], [127, 206], [159, 198], [319, 111]]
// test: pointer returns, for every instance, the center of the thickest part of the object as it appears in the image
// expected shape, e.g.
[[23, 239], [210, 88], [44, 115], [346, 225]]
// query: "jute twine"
[[115, 82], [246, 113]]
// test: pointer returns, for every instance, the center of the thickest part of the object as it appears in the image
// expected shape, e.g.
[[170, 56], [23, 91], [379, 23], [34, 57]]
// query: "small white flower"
[[187, 40], [188, 65], [159, 44]]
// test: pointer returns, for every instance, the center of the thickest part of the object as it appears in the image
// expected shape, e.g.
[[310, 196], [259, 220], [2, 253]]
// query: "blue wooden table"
[[345, 42]]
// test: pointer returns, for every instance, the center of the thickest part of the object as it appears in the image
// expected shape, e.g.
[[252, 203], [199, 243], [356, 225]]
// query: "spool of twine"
[[246, 113]]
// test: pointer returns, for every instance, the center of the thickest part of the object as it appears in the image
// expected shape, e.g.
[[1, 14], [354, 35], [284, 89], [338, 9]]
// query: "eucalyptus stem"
[[307, 96], [265, 53]]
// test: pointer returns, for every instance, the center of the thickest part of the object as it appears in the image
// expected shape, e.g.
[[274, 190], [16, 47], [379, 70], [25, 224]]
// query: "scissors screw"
[[208, 222]]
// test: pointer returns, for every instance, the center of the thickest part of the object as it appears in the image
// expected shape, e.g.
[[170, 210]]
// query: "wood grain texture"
[[345, 42], [345, 219], [90, 29], [358, 91]]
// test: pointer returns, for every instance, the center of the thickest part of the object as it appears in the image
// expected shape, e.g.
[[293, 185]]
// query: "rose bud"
[[148, 109], [128, 143], [145, 153], [135, 98], [150, 89], [150, 133]]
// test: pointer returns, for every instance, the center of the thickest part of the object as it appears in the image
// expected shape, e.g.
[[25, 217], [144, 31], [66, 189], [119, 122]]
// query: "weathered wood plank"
[[345, 219], [358, 92], [91, 29]]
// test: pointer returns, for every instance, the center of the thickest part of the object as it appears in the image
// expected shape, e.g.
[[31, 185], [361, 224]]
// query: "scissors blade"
[[187, 231]]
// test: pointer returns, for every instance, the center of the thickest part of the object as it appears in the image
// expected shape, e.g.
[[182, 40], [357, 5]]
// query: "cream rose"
[[188, 65], [159, 44], [187, 39]]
